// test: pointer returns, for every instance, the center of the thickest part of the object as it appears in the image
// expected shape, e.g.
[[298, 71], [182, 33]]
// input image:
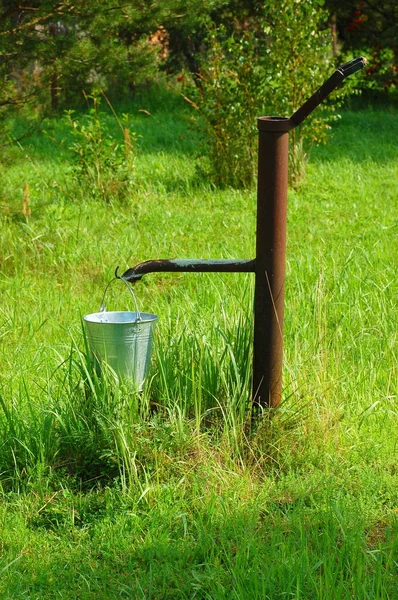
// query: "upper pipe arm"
[[327, 88]]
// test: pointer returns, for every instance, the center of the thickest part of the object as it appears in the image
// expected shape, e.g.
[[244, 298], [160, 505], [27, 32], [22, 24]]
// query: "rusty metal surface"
[[275, 124], [270, 267], [189, 265]]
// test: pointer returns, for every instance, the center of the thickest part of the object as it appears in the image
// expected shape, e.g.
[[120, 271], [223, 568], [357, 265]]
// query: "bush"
[[381, 72], [269, 66], [228, 97]]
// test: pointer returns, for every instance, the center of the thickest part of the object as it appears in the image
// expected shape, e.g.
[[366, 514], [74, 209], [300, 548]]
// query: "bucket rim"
[[144, 317]]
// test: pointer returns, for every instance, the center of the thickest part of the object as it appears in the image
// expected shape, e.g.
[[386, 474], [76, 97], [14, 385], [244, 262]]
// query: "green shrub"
[[228, 97], [270, 66]]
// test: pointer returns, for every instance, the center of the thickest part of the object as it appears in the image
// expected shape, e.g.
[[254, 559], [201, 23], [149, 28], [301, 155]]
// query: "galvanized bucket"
[[123, 340]]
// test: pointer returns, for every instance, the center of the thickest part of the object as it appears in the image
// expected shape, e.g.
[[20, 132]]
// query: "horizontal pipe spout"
[[188, 265]]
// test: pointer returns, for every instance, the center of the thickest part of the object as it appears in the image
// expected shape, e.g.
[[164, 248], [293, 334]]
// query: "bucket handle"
[[103, 307]]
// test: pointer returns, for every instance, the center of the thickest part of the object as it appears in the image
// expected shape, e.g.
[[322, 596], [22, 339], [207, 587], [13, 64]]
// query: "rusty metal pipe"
[[327, 88], [270, 261], [271, 241]]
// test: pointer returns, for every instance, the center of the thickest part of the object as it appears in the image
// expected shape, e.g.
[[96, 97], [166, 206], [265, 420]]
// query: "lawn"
[[105, 494]]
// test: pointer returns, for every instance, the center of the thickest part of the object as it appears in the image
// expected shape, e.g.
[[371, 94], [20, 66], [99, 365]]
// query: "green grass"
[[105, 495]]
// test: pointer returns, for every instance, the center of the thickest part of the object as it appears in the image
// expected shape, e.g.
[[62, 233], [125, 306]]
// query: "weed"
[[103, 166]]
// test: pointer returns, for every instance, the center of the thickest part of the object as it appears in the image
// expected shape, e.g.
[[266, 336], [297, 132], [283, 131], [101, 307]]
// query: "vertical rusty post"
[[271, 240], [270, 260]]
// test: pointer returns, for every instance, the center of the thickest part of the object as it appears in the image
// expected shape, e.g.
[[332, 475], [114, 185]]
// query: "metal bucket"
[[123, 340]]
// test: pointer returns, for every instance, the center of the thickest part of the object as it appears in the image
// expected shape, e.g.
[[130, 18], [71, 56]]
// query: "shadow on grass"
[[275, 550]]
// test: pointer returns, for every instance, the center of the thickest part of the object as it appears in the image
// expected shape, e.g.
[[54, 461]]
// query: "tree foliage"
[[53, 51], [370, 27]]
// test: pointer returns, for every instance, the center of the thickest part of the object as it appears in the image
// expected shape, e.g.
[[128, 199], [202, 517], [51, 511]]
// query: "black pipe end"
[[352, 66]]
